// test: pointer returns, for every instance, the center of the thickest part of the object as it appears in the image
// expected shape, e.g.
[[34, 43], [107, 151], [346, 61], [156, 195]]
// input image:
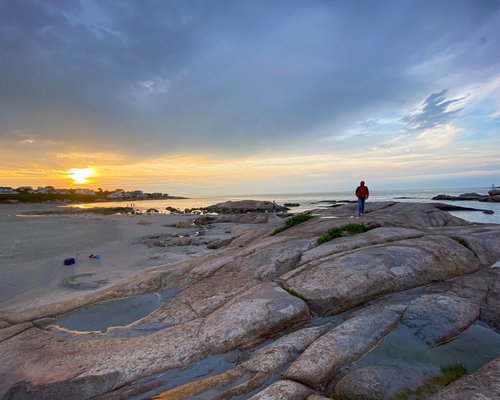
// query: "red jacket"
[[362, 192]]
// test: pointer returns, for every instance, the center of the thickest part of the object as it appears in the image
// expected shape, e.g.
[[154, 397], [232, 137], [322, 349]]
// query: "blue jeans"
[[361, 205]]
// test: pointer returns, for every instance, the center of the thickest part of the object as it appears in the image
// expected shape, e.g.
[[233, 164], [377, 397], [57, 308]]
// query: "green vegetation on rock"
[[294, 220], [448, 375], [295, 294], [344, 230]]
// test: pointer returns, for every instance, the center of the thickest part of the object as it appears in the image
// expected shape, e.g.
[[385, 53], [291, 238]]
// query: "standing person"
[[362, 193], [274, 206]]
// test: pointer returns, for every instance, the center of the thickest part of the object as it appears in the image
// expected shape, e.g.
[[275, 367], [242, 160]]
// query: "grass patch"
[[344, 230], [294, 220], [295, 294], [448, 375]]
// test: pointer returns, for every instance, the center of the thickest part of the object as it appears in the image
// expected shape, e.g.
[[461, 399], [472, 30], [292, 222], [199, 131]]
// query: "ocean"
[[310, 201]]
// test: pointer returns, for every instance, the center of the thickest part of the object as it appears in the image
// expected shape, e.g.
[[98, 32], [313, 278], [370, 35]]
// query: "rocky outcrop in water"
[[244, 206], [492, 196], [296, 316]]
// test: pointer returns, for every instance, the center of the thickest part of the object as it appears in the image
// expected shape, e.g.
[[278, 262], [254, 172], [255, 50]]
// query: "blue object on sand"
[[69, 261]]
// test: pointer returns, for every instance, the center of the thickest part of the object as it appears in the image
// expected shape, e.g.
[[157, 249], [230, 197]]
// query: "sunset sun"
[[80, 175]]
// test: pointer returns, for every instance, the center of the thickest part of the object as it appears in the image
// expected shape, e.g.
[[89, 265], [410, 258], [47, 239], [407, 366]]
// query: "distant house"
[[40, 190], [116, 195], [87, 192], [137, 194], [7, 190], [156, 195], [61, 191]]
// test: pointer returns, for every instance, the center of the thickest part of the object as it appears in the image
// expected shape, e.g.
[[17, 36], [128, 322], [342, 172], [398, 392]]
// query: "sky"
[[212, 97]]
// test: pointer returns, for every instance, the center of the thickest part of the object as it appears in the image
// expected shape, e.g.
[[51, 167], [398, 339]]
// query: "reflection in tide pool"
[[118, 312], [473, 348]]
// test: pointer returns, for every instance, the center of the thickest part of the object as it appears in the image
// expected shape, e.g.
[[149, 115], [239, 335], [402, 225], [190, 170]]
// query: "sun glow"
[[80, 175]]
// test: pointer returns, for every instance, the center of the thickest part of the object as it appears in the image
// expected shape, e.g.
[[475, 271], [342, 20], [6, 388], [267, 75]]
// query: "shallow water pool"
[[473, 348], [111, 313]]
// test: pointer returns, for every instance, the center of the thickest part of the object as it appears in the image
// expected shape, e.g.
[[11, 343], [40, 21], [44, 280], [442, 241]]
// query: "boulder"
[[494, 192], [490, 309], [283, 390], [321, 361], [437, 318], [356, 277], [261, 312], [461, 197], [273, 257], [199, 300], [320, 254], [243, 206], [271, 358], [485, 245]]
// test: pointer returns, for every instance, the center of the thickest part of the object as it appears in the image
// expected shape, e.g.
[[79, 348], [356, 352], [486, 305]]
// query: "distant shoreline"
[[73, 199]]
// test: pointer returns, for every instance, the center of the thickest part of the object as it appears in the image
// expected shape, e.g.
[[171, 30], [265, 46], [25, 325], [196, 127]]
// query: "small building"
[[87, 192], [40, 190], [7, 190], [137, 194], [116, 195]]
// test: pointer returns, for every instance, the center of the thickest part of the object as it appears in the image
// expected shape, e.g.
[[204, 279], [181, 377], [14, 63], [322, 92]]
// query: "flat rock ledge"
[[244, 206], [294, 316], [492, 196]]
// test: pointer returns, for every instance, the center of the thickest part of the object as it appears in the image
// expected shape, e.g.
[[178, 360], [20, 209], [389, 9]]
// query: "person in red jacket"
[[362, 193]]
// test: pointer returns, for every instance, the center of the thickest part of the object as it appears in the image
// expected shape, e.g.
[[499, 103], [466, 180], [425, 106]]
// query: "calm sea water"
[[310, 201]]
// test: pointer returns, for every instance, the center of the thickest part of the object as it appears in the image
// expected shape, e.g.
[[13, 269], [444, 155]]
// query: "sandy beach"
[[33, 249]]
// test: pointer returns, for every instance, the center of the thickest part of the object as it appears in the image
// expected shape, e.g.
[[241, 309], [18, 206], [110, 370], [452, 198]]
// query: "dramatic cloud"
[[436, 111], [236, 78]]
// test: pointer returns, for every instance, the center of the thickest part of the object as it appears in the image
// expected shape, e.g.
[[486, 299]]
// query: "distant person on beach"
[[274, 206], [362, 193]]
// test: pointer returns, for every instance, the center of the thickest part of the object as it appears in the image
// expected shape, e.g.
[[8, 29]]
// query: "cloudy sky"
[[198, 97]]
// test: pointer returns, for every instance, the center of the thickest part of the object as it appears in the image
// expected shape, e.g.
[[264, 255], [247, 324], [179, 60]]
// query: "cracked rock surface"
[[298, 315]]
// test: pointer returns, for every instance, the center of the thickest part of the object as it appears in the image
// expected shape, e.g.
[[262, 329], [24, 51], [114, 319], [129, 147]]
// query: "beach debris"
[[69, 261], [95, 256]]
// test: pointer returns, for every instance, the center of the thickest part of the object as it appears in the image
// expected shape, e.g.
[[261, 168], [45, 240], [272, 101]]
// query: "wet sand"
[[33, 249]]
